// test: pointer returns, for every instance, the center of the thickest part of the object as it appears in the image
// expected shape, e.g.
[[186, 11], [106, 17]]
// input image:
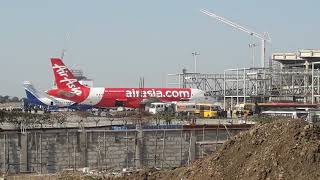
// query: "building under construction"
[[285, 77], [79, 75], [290, 77]]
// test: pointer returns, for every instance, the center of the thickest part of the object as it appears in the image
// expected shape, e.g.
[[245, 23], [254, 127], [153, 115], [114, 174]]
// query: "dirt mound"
[[76, 175], [283, 149]]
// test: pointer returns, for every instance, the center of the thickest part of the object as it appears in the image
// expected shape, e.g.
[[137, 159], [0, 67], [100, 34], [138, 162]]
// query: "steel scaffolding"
[[242, 85]]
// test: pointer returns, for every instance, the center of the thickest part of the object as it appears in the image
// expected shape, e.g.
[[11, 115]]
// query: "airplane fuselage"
[[126, 97]]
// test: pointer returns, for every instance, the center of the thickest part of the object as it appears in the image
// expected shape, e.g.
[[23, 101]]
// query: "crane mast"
[[264, 38]]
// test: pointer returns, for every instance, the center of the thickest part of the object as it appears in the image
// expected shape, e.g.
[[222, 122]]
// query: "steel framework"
[[243, 85]]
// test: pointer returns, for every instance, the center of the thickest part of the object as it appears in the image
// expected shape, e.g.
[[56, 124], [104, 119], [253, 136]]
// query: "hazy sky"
[[116, 42]]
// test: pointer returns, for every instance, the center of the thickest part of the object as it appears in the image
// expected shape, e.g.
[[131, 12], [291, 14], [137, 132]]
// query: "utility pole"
[[253, 45], [195, 54]]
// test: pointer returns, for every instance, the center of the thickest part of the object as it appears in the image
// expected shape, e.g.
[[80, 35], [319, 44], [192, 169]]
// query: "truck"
[[182, 108], [208, 110], [244, 109], [157, 107]]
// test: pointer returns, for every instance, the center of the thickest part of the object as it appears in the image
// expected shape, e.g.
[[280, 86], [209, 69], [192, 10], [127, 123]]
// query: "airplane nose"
[[197, 93]]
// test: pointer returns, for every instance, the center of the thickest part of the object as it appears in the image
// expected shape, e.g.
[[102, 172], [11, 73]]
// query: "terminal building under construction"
[[289, 77]]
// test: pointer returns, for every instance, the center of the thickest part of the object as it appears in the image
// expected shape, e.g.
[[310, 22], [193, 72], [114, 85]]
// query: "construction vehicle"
[[244, 109], [207, 110], [263, 37]]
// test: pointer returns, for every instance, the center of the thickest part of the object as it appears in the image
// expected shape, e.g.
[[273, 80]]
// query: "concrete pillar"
[[192, 148], [139, 147], [163, 148], [4, 153], [83, 148], [24, 153]]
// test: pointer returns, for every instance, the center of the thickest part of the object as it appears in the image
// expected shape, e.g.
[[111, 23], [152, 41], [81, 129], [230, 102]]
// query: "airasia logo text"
[[62, 72], [157, 93]]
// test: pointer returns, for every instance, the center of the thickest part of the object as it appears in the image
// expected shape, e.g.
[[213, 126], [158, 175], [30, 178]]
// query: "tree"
[[5, 99], [15, 99], [2, 100]]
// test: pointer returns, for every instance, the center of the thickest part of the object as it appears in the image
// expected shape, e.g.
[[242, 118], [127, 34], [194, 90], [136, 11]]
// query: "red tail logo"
[[64, 78]]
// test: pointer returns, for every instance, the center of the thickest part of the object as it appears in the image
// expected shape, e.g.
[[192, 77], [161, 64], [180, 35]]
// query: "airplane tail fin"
[[64, 78], [32, 91], [33, 95]]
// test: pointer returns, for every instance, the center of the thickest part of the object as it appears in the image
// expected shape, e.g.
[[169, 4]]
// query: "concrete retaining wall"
[[51, 151]]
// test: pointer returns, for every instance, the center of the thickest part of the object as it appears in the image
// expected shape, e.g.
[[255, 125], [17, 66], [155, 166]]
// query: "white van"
[[157, 107]]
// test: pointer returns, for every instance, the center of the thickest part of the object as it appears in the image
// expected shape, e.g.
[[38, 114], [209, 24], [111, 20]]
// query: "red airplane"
[[69, 88]]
